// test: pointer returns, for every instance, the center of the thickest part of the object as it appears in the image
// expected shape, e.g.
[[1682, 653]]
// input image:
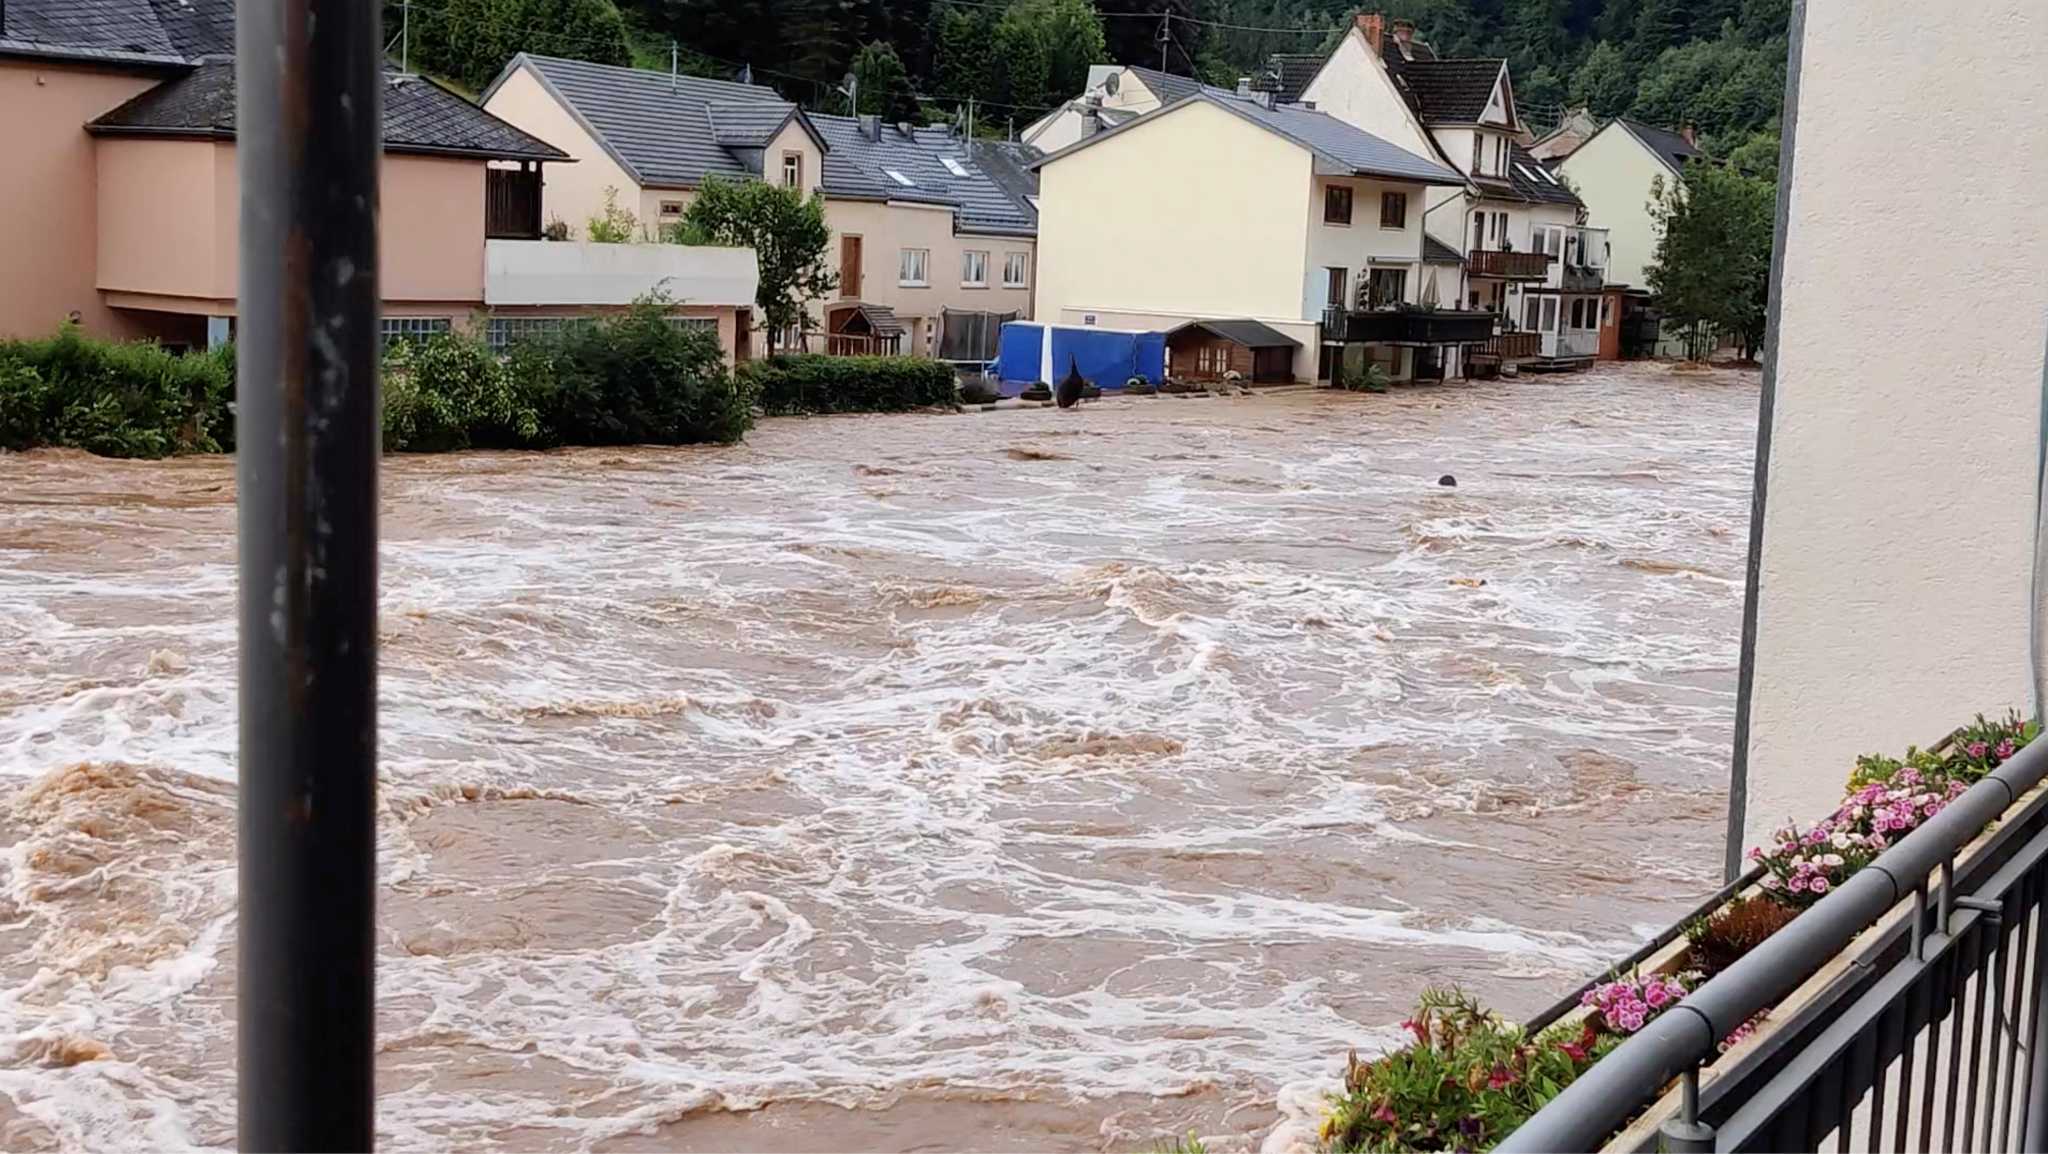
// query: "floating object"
[[1447, 481], [1071, 386]]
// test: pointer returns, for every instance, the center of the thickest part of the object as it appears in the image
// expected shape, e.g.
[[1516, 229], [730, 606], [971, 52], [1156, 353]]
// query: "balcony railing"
[[1512, 346], [1407, 326], [1904, 1010], [1574, 278], [1507, 265], [512, 204]]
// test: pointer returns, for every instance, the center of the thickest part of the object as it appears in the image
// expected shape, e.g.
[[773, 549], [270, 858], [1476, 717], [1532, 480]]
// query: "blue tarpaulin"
[[1106, 358]]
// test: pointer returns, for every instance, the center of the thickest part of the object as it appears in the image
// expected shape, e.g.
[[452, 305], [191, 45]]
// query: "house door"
[[849, 267]]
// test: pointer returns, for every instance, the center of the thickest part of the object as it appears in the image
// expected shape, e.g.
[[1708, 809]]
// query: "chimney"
[[1244, 87], [1404, 31], [1373, 25], [1685, 130], [871, 127]]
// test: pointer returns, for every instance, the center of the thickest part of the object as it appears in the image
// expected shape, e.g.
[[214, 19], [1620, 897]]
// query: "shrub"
[[450, 392], [1721, 937], [114, 399], [1370, 379], [632, 379], [818, 384]]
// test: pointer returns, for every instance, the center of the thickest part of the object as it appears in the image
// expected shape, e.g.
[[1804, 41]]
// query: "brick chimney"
[[1686, 131], [1404, 31], [1374, 26]]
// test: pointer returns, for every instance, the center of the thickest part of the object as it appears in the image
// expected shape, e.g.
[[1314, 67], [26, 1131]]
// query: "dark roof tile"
[[1249, 333], [1449, 91], [1292, 73], [1167, 86], [1669, 146]]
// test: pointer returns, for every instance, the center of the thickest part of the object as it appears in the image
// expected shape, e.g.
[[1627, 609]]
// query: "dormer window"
[[793, 170]]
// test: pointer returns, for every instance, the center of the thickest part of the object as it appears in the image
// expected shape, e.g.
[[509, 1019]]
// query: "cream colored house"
[[1617, 172], [1277, 215], [1529, 256], [1116, 93], [934, 237]]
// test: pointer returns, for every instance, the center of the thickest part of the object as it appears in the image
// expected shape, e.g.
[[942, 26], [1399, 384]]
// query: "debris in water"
[[1071, 386], [165, 661], [1027, 454], [1447, 481], [1469, 582]]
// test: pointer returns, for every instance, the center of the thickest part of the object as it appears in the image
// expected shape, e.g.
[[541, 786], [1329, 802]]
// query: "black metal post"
[[307, 112]]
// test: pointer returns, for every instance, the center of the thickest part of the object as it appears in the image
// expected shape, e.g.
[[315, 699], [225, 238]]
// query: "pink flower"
[[1500, 1078], [1386, 1114], [1655, 996], [1819, 885], [1976, 749]]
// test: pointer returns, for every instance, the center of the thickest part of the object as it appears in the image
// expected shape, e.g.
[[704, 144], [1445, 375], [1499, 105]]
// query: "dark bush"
[[117, 400], [451, 392], [1727, 934], [632, 379], [819, 384]]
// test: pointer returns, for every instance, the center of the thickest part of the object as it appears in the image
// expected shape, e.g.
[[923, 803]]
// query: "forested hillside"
[[1718, 64]]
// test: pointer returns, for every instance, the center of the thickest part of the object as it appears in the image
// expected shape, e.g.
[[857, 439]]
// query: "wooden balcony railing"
[[1512, 346], [1508, 265], [512, 204]]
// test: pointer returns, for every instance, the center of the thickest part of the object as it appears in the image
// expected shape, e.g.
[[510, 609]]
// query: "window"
[[1500, 228], [1016, 269], [1606, 313], [912, 271], [504, 332], [1336, 204], [671, 208], [1386, 286], [974, 269], [1549, 314], [1578, 312], [899, 178], [393, 329], [1500, 155], [1478, 231], [1393, 210], [793, 170], [1478, 153], [1549, 240], [1334, 291], [1532, 314], [953, 166], [696, 324]]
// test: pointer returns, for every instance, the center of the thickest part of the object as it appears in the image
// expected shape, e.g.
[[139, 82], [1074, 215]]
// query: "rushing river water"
[[1046, 780]]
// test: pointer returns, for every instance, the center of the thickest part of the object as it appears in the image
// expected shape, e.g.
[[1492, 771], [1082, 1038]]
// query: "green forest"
[[1716, 64]]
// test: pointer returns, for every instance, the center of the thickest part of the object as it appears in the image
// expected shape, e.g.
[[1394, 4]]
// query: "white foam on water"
[[1174, 763]]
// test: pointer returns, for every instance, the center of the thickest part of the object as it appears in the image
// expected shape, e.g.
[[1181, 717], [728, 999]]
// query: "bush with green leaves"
[[115, 399], [634, 378], [819, 384], [449, 392]]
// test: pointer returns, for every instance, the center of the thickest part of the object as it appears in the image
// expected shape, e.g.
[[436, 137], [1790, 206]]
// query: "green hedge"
[[632, 379], [117, 400], [819, 384]]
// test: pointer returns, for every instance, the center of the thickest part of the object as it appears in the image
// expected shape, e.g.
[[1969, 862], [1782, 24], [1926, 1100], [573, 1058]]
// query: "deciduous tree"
[[785, 229]]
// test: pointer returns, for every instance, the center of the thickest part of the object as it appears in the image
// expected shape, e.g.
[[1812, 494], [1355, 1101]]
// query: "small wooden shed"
[[1205, 350]]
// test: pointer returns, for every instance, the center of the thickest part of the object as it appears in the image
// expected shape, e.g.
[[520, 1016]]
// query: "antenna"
[[850, 85], [1165, 37], [671, 68], [405, 36]]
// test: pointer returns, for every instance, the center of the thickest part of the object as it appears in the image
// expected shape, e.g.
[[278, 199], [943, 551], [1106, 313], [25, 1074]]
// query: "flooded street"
[[1025, 780]]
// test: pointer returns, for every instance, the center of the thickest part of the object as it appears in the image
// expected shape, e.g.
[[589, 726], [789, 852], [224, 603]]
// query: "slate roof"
[[1010, 167], [1435, 251], [1527, 177], [747, 123], [419, 116], [1165, 85], [881, 319], [154, 32], [1249, 333], [858, 166], [1292, 73], [1670, 147]]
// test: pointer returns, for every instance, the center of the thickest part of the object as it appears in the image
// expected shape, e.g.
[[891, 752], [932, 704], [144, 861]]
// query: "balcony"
[[1508, 265], [554, 272], [512, 203], [1512, 346], [1407, 327], [1571, 344]]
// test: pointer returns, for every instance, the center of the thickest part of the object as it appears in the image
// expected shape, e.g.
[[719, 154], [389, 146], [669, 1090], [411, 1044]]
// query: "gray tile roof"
[[1669, 146], [657, 126], [1165, 85], [1435, 251], [1249, 333], [860, 163], [747, 123], [1010, 167], [1336, 143], [1526, 177], [419, 116], [132, 31]]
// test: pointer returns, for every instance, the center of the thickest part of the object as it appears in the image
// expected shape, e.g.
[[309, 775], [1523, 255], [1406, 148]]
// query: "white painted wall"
[[1614, 174], [1231, 243], [1363, 244], [545, 272], [1893, 601], [1354, 87]]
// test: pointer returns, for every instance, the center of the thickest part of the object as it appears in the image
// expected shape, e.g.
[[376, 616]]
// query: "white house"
[[1529, 256], [1617, 173], [1276, 214], [1116, 93]]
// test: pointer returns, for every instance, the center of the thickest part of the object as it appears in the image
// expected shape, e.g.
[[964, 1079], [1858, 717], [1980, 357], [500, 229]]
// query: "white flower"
[[1841, 841], [1833, 859]]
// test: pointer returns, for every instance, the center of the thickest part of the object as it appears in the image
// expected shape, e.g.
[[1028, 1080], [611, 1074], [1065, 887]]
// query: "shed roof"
[[418, 116], [1435, 251], [1244, 331]]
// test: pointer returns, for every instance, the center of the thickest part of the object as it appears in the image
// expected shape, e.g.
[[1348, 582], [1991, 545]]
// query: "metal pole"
[[309, 92], [1686, 1134]]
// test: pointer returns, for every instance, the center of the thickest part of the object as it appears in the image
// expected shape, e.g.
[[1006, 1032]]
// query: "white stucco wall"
[[1362, 244], [1230, 243], [1892, 601], [570, 192], [1613, 174], [1354, 87]]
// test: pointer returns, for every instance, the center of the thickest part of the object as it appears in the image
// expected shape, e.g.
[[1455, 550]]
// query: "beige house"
[[125, 198], [1617, 173], [1282, 216], [1115, 93], [1530, 256], [934, 237]]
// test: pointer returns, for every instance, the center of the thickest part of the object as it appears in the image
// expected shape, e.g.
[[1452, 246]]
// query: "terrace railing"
[[1926, 1032]]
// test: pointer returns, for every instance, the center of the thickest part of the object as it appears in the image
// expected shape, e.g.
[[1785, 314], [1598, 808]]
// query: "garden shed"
[[1205, 350]]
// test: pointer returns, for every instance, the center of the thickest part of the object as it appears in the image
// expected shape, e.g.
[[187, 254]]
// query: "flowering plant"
[[1626, 1005], [1806, 864]]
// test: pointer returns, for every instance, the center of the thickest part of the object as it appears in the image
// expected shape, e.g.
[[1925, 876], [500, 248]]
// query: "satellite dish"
[[1112, 82]]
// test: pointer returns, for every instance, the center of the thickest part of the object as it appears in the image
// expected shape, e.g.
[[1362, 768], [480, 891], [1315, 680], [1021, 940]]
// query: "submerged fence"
[[1926, 1033]]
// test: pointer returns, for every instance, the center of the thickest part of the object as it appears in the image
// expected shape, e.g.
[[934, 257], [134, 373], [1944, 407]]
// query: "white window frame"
[[417, 329], [922, 259], [968, 279], [1020, 262], [1550, 314], [793, 169]]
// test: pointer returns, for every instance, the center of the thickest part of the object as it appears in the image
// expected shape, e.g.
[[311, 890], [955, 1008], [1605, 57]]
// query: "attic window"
[[953, 166], [1526, 174], [899, 178]]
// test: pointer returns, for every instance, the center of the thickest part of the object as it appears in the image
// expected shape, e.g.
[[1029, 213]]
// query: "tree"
[[469, 41], [884, 85], [1713, 263], [962, 56], [1604, 84], [787, 233], [1074, 40], [1023, 66]]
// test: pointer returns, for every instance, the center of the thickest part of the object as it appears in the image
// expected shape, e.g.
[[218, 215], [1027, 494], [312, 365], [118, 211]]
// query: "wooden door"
[[849, 267]]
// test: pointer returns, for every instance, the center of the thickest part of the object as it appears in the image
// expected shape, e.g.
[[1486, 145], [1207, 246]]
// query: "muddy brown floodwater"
[[1034, 780]]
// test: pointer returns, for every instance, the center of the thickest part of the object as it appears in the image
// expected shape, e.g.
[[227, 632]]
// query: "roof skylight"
[[953, 166], [899, 178]]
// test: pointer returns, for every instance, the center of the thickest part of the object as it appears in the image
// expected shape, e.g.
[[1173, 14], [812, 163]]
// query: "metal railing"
[[1932, 1027]]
